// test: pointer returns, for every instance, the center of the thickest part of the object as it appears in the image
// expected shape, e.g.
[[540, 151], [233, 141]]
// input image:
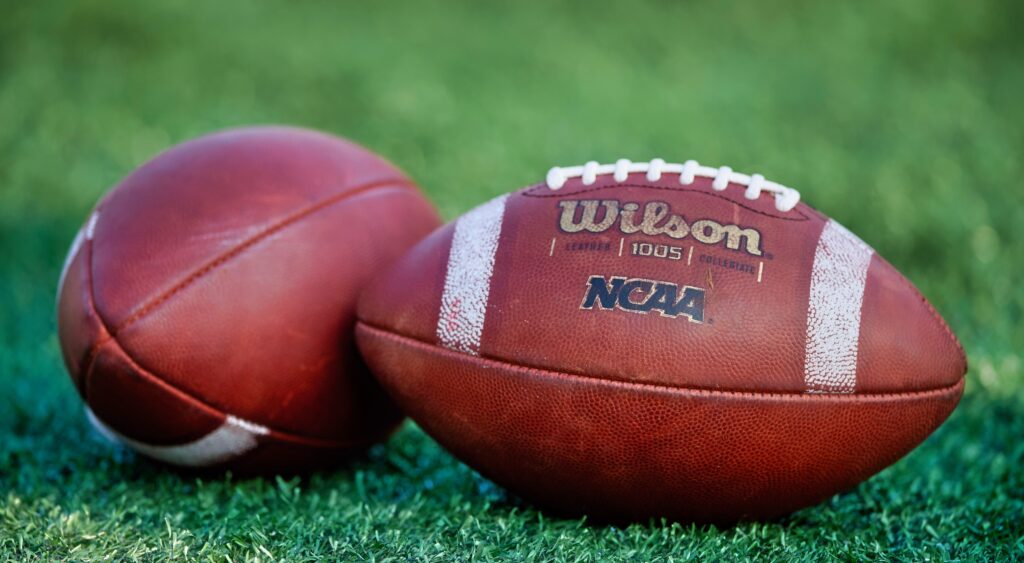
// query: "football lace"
[[785, 198]]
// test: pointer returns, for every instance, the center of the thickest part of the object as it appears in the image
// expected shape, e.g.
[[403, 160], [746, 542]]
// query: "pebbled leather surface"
[[221, 279], [626, 451], [554, 379]]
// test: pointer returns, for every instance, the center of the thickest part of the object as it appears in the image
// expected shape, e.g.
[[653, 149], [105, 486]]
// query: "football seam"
[[213, 264], [109, 336], [228, 255], [210, 409], [87, 363], [955, 388], [530, 192], [934, 313]]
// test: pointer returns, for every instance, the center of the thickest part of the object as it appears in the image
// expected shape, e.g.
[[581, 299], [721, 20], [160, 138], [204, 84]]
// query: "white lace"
[[785, 198]]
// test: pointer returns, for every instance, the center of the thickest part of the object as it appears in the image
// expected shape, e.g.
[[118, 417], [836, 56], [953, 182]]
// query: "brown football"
[[206, 308], [637, 340]]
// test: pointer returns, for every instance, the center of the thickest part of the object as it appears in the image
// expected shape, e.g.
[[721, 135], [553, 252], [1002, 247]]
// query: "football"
[[206, 308], [648, 339]]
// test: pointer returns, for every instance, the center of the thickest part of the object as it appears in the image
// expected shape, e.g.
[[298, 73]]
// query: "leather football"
[[206, 308], [637, 340]]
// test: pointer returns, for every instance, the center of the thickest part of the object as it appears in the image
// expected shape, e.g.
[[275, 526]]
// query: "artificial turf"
[[903, 120]]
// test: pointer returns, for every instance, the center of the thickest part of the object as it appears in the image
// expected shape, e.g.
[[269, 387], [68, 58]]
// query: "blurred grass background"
[[903, 120]]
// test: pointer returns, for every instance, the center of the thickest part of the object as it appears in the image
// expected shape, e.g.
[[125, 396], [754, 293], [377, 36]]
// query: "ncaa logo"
[[638, 295]]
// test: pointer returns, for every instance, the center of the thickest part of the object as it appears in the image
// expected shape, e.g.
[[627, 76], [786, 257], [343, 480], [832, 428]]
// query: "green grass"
[[901, 119]]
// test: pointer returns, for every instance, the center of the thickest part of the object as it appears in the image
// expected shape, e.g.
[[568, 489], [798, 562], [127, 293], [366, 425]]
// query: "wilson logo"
[[638, 295], [656, 218]]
